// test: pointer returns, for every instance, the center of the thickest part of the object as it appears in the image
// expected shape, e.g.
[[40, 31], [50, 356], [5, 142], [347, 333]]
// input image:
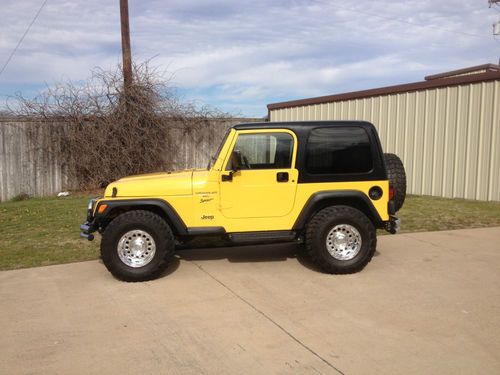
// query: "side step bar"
[[265, 236]]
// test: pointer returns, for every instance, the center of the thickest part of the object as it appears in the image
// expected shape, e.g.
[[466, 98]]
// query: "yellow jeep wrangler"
[[327, 184]]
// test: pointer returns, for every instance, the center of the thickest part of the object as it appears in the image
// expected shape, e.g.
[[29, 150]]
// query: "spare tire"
[[397, 178]]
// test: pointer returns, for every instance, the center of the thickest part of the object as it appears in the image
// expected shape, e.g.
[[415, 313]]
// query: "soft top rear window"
[[338, 150]]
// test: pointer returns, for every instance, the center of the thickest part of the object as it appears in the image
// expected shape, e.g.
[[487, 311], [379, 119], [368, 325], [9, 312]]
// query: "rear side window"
[[334, 150]]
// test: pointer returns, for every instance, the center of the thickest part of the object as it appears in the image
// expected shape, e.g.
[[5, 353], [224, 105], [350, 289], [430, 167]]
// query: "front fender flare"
[[173, 217]]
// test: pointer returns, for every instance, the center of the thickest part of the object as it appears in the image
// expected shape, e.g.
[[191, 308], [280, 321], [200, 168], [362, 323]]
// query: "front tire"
[[137, 246], [340, 240]]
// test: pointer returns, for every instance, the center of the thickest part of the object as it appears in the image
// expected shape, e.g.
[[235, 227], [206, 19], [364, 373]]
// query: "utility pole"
[[496, 25], [126, 53]]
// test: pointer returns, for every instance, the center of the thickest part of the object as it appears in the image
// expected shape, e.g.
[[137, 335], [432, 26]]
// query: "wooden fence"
[[25, 169]]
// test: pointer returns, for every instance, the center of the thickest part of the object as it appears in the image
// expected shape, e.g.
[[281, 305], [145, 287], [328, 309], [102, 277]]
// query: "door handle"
[[282, 177]]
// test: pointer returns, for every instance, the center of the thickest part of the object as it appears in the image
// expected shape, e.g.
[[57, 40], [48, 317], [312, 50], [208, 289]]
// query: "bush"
[[20, 197], [106, 131]]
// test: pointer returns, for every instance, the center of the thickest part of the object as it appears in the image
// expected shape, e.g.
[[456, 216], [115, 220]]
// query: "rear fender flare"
[[326, 198]]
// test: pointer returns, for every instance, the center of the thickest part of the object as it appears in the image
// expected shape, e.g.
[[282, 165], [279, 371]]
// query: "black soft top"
[[300, 125], [303, 128]]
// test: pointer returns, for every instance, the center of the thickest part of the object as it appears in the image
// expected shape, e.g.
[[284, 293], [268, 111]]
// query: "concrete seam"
[[426, 242], [266, 316]]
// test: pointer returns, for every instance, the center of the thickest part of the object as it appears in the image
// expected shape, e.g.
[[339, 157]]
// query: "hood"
[[153, 185]]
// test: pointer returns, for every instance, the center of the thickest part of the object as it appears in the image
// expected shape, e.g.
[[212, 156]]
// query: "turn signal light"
[[102, 208]]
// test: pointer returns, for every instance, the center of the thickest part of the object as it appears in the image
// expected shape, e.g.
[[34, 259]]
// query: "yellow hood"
[[153, 184]]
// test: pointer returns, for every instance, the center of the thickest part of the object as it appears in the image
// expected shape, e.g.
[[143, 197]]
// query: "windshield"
[[216, 155]]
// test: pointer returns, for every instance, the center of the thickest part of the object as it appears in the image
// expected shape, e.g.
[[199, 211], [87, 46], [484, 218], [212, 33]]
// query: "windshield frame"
[[219, 149]]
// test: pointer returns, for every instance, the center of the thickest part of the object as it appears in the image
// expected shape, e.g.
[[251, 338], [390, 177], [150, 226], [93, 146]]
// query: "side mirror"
[[236, 160]]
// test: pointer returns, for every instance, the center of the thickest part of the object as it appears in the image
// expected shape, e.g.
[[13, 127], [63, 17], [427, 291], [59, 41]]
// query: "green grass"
[[43, 231], [423, 214]]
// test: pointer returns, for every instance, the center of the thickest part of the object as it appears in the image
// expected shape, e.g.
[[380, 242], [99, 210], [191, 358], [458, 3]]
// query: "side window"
[[338, 150], [264, 151]]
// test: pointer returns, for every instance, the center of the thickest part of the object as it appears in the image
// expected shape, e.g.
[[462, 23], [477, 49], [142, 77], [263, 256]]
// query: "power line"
[[22, 38], [405, 21]]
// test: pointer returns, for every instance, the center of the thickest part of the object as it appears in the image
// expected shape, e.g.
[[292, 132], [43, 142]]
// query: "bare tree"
[[102, 132]]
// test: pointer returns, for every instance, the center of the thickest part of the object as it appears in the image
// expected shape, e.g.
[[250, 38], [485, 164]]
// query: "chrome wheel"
[[343, 242], [136, 248]]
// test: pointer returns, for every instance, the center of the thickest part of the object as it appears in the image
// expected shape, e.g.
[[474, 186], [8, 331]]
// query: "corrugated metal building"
[[446, 129]]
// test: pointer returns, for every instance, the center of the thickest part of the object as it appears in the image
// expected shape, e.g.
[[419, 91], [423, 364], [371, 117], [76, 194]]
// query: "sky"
[[239, 55]]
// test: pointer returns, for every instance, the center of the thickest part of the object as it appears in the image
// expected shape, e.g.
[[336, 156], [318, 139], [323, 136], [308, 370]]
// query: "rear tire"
[[340, 240], [397, 178], [137, 246]]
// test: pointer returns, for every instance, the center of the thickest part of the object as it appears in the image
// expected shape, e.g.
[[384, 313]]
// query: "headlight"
[[90, 209], [90, 206]]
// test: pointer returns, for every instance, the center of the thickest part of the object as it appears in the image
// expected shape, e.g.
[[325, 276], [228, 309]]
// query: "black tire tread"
[[143, 217], [397, 177], [316, 223]]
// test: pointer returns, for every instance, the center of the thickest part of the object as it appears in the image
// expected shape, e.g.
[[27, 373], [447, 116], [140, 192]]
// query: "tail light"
[[391, 191]]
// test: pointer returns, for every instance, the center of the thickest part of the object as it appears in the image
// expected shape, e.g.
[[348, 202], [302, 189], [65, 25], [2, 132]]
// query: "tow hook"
[[393, 225]]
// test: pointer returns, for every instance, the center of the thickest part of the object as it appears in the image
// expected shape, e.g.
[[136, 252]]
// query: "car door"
[[265, 183]]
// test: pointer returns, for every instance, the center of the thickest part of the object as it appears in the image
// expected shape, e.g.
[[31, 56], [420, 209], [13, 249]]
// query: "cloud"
[[241, 55]]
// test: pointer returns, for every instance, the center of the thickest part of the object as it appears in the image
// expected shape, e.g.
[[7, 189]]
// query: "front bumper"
[[86, 230], [393, 226], [90, 226]]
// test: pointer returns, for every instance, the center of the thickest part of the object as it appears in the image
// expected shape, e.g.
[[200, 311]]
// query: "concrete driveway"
[[428, 303]]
